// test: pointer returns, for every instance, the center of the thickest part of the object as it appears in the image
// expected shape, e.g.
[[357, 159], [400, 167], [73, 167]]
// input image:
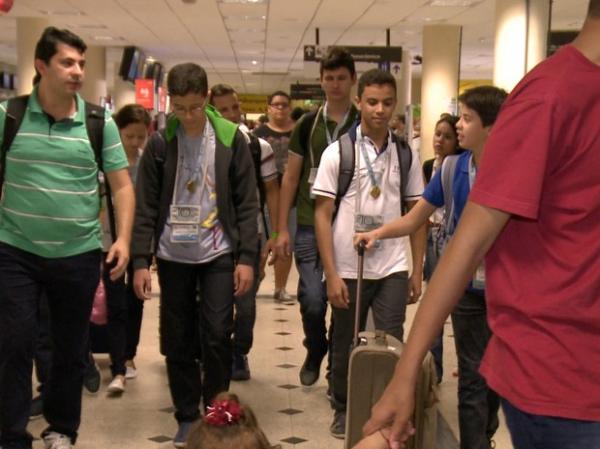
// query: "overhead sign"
[[144, 93], [306, 92], [377, 55]]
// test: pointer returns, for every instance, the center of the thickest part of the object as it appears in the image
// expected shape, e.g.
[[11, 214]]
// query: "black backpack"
[[346, 172], [256, 153], [94, 123]]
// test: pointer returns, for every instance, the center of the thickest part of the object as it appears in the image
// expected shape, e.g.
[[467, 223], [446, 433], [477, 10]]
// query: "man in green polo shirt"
[[50, 239], [312, 134]]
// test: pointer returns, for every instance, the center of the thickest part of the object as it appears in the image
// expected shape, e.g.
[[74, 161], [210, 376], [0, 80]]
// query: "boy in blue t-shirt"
[[477, 404]]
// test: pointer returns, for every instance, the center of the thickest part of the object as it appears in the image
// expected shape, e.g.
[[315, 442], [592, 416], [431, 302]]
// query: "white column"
[[94, 84], [29, 31], [404, 82], [520, 39], [441, 69]]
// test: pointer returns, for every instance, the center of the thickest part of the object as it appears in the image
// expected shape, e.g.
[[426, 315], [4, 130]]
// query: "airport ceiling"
[[257, 45]]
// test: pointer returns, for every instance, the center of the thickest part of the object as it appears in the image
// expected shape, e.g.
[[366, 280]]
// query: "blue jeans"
[[477, 403], [431, 260], [529, 431], [69, 284], [312, 294]]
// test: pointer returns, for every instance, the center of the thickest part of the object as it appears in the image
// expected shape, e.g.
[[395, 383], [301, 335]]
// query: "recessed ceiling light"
[[254, 62]]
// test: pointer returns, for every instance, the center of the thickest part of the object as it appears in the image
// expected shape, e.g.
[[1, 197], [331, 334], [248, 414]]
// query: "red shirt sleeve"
[[515, 158]]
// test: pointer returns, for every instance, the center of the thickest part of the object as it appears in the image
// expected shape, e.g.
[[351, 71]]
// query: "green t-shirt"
[[50, 204], [304, 203]]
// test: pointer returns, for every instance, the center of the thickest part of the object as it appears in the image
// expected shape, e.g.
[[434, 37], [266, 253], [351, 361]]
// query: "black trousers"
[[135, 312], [69, 284], [196, 322], [477, 403]]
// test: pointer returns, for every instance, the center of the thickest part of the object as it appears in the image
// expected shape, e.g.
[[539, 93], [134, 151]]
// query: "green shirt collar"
[[34, 106]]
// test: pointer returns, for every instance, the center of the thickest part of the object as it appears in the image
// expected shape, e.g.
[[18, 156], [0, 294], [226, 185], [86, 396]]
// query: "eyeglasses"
[[183, 111], [280, 105]]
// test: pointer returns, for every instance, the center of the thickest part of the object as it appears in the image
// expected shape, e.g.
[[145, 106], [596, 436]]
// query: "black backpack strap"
[[305, 126], [405, 161], [94, 124], [346, 172], [256, 152], [15, 111]]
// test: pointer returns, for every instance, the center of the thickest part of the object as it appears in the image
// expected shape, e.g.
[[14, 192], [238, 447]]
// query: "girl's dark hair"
[[451, 120], [245, 434], [131, 113]]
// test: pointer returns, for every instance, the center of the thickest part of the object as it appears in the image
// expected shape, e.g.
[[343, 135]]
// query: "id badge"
[[312, 175], [479, 277], [185, 214], [182, 233], [366, 223]]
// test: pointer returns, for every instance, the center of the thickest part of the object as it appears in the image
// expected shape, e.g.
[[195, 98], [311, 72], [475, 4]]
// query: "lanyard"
[[204, 143], [338, 128], [330, 138]]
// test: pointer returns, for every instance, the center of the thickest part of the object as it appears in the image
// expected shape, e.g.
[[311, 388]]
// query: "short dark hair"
[[131, 113], [187, 78], [278, 93], [336, 58], [45, 48], [220, 90], [375, 76], [594, 8], [485, 100]]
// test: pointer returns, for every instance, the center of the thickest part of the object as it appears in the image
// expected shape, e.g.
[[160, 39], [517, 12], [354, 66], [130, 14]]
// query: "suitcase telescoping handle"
[[359, 280]]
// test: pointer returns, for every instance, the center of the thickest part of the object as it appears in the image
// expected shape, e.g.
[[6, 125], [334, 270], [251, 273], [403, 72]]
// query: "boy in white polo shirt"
[[373, 196]]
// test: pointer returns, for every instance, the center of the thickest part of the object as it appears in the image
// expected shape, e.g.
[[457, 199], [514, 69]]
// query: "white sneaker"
[[56, 440], [117, 386], [130, 370]]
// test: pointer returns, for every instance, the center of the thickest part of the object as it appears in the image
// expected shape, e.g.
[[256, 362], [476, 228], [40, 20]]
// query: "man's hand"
[[415, 287], [282, 246], [243, 278], [142, 283], [337, 292], [395, 408], [119, 251]]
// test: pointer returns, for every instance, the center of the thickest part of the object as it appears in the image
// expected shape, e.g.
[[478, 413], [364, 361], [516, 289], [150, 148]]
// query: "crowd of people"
[[89, 196]]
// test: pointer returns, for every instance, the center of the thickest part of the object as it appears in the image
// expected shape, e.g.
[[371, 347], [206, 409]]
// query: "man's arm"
[[337, 291], [124, 200], [289, 187], [245, 203], [476, 232], [418, 241]]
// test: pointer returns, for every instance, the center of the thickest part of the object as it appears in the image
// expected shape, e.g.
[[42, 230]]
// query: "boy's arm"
[[337, 291], [418, 241], [289, 187], [476, 232]]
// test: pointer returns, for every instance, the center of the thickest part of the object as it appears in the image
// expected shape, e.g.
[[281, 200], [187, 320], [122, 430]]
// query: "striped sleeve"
[[113, 154]]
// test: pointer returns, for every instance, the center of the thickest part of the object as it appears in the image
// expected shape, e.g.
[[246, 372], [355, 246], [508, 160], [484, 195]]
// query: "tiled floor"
[[291, 415]]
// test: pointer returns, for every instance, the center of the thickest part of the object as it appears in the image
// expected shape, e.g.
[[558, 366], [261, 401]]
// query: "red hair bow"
[[223, 413]]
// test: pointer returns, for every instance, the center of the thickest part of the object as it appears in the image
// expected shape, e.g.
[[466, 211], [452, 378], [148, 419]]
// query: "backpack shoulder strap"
[[15, 111], [405, 161], [448, 170], [346, 172], [94, 124], [305, 127]]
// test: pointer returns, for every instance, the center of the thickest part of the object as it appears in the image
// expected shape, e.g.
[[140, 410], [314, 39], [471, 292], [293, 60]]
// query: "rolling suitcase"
[[372, 363]]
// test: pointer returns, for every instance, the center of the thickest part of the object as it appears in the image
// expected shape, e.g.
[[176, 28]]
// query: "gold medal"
[[191, 186], [375, 192]]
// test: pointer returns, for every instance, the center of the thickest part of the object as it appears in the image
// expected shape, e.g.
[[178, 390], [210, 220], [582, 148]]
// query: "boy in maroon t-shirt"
[[536, 207]]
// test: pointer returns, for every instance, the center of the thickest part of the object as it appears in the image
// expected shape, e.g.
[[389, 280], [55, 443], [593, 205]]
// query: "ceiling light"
[[254, 62]]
